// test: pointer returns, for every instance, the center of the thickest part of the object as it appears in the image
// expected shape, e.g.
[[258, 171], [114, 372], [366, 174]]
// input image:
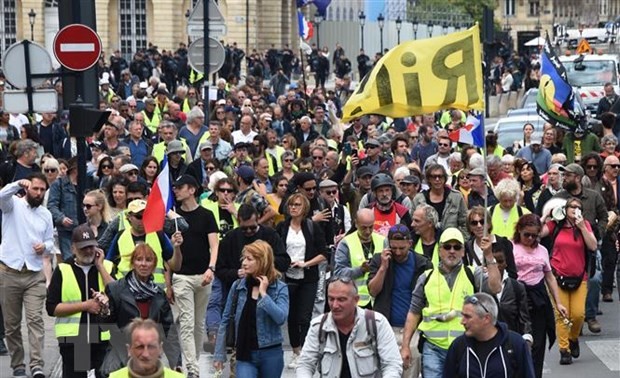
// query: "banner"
[[423, 76], [556, 101]]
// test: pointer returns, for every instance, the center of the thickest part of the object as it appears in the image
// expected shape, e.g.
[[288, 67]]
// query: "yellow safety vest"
[[67, 326], [203, 138], [279, 151], [185, 106], [152, 123], [160, 111], [125, 249], [214, 207], [419, 249], [356, 252], [124, 373], [159, 150], [194, 76], [440, 302], [506, 229]]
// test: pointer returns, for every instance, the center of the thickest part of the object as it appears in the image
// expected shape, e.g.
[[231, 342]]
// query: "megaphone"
[[555, 208]]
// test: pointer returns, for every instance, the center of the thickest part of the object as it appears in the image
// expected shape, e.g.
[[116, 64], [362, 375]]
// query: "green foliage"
[[452, 11]]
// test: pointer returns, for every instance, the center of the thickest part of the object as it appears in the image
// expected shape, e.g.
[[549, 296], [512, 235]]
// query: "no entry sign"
[[77, 47]]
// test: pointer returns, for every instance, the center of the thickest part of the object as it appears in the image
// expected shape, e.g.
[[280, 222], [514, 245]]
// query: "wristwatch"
[[212, 268], [492, 262]]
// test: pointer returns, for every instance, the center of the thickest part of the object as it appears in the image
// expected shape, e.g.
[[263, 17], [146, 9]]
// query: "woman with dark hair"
[[592, 165], [530, 183], [473, 252], [572, 240], [305, 244], [287, 160], [534, 271], [104, 172], [275, 199], [149, 170], [117, 195], [261, 306]]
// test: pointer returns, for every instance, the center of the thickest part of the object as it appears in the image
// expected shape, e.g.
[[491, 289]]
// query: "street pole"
[[380, 21], [207, 66]]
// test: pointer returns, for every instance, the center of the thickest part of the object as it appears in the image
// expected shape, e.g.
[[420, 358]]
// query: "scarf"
[[159, 373], [142, 291]]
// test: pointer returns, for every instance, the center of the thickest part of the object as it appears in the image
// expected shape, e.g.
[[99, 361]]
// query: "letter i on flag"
[[472, 133], [160, 200]]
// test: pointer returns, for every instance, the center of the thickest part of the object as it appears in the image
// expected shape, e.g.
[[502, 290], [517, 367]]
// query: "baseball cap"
[[174, 146], [536, 138], [451, 233], [97, 144], [411, 179], [205, 145], [136, 206], [126, 168], [372, 142], [572, 168], [245, 172], [221, 102], [399, 232], [477, 172], [364, 171], [327, 184], [332, 144], [83, 236], [186, 180]]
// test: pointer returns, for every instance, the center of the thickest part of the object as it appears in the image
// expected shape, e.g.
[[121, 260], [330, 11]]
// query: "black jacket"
[[383, 300], [232, 244], [501, 243], [513, 307], [195, 169], [315, 244]]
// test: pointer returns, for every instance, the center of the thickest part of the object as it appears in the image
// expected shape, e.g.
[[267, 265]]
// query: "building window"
[[351, 14], [132, 26], [8, 25], [534, 8], [509, 7]]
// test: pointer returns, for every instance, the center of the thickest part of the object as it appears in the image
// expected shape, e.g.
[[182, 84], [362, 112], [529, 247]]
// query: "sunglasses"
[[317, 157], [296, 204], [105, 166], [436, 177], [575, 207], [476, 222], [370, 146], [614, 165], [132, 173], [87, 206], [529, 235], [209, 168], [472, 299], [175, 153], [309, 189], [331, 192], [249, 228], [444, 145], [454, 247], [591, 166], [226, 190], [288, 160], [343, 279], [50, 170]]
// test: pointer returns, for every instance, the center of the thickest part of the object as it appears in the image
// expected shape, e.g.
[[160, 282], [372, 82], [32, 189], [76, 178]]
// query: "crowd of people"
[[386, 247]]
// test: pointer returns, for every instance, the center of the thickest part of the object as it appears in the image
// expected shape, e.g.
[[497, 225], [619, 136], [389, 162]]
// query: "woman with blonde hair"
[[97, 211], [258, 306]]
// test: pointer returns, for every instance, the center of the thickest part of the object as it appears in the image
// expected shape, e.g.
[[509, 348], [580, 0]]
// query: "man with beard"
[[595, 212], [21, 269], [75, 298], [386, 210]]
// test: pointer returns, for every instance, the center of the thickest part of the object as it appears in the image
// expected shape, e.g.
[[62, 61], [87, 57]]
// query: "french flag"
[[160, 200], [306, 30], [472, 133]]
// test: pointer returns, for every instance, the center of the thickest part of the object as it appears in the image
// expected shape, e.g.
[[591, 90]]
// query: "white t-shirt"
[[296, 249], [240, 137]]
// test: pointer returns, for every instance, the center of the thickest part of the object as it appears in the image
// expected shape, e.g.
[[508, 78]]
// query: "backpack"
[[371, 329], [460, 350]]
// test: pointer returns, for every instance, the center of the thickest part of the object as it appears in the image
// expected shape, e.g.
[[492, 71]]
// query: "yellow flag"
[[423, 76]]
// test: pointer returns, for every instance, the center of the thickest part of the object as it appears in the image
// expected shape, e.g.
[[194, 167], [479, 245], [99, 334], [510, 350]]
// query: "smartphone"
[[577, 213], [347, 149]]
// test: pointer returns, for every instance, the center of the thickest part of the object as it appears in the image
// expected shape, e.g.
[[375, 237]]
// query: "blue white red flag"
[[306, 30], [472, 133], [160, 200]]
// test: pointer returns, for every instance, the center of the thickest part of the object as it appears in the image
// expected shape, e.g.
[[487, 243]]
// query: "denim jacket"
[[62, 202], [271, 314]]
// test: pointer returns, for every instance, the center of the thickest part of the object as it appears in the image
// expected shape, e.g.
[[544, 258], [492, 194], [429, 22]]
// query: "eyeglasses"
[[591, 166], [575, 207], [370, 146], [219, 112], [444, 144], [296, 204], [132, 173], [463, 178], [226, 190], [175, 153], [615, 166], [87, 206], [288, 160], [331, 192], [472, 299], [455, 247], [50, 170], [436, 177], [401, 229], [476, 222], [309, 189], [210, 168], [247, 229], [105, 166], [343, 279], [138, 216], [317, 157], [529, 235]]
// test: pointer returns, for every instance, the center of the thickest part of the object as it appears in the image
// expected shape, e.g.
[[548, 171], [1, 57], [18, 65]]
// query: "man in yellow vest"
[[438, 298], [355, 251], [167, 133], [145, 349], [151, 117], [124, 243], [75, 297]]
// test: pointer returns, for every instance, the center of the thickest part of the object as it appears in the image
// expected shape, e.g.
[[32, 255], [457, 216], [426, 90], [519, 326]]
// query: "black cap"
[[186, 179]]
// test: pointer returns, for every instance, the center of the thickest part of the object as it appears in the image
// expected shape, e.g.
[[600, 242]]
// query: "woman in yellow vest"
[[137, 296], [506, 213]]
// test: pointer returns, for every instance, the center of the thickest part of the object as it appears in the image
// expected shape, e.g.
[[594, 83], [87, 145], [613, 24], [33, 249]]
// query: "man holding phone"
[[75, 297], [392, 276]]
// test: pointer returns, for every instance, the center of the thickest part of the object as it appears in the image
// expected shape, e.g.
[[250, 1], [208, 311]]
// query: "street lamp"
[[31, 16], [414, 25], [380, 21], [399, 24], [445, 27], [430, 29], [317, 22], [362, 18]]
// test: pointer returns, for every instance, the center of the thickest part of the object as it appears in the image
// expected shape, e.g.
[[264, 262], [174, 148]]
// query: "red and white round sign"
[[77, 47]]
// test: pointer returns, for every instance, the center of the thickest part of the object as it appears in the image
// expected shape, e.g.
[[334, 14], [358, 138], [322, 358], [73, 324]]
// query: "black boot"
[[574, 348], [565, 357]]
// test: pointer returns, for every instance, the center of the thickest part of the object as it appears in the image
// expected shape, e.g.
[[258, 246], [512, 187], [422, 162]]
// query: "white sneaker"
[[292, 364]]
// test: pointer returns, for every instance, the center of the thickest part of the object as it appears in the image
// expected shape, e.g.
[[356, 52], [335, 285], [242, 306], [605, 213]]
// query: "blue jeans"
[[265, 363], [433, 359], [594, 290], [215, 307]]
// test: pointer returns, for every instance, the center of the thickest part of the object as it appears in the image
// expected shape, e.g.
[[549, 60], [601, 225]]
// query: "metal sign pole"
[[26, 44]]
